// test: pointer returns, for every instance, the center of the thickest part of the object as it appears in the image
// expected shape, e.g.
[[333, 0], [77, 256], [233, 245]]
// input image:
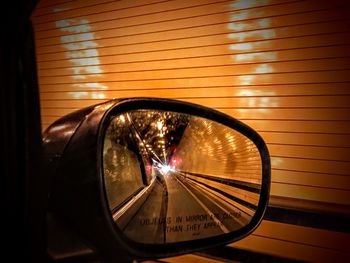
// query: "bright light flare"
[[159, 125], [164, 169]]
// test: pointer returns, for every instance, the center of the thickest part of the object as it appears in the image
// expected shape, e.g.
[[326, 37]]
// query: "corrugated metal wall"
[[281, 66]]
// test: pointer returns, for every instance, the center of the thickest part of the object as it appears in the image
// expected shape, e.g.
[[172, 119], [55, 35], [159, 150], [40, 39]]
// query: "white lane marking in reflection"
[[217, 221], [129, 204], [244, 214]]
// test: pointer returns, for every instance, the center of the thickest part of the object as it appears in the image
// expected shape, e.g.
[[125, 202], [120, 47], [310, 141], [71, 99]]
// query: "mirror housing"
[[74, 148]]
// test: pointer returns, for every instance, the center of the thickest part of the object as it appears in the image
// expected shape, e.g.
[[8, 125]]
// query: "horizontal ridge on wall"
[[280, 66]]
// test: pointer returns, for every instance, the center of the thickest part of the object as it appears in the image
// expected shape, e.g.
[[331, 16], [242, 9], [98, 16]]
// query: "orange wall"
[[282, 67]]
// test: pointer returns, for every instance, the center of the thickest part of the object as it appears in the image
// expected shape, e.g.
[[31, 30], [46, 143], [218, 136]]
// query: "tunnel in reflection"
[[173, 177]]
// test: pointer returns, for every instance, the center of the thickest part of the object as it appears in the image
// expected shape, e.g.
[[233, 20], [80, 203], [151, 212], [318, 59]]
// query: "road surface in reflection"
[[179, 209]]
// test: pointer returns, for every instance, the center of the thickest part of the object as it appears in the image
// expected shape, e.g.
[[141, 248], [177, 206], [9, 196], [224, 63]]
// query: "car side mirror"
[[156, 177]]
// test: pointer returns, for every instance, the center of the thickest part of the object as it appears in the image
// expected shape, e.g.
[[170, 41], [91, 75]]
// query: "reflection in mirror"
[[173, 177]]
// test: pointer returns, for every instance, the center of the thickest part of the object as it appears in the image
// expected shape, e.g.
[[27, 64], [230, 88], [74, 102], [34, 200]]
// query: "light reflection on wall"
[[85, 94], [247, 53], [240, 4], [85, 63], [60, 9]]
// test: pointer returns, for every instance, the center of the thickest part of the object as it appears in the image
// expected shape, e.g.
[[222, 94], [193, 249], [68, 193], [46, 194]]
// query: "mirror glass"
[[172, 177]]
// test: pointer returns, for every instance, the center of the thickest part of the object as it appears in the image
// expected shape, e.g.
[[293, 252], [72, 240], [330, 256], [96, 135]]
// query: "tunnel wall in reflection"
[[281, 66], [211, 149]]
